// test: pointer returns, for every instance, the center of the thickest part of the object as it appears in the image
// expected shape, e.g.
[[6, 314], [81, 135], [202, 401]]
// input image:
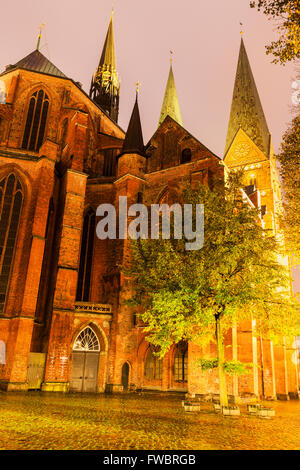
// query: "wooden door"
[[125, 376], [35, 370], [90, 372], [84, 371], [77, 371]]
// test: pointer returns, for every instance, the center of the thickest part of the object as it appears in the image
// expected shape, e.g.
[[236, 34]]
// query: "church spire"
[[170, 105], [246, 109], [105, 86]]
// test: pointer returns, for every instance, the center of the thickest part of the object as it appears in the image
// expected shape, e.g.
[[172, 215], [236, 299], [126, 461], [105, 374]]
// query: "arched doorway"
[[85, 360], [125, 375], [181, 363]]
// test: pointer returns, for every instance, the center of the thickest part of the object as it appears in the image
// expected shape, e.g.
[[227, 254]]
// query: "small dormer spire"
[[134, 142]]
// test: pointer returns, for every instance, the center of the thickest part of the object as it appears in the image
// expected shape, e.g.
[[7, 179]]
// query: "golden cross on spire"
[[171, 57], [137, 86], [42, 25], [112, 12], [242, 32]]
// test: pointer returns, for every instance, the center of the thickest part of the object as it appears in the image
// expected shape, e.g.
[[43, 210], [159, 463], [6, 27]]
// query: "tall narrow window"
[[36, 121], [11, 198], [109, 165], [86, 255], [153, 366], [186, 156], [64, 132], [181, 363]]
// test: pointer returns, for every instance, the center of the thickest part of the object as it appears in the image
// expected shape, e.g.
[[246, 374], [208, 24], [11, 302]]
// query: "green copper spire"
[[246, 109], [170, 105]]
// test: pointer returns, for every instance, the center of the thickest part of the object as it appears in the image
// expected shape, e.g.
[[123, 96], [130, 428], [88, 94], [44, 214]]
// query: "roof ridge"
[[37, 62]]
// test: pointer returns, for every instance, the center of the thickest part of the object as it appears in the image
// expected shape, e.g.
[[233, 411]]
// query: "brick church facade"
[[64, 323]]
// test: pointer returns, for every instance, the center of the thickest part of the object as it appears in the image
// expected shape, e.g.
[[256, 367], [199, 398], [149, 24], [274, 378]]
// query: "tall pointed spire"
[[105, 86], [246, 109], [134, 142], [170, 105], [108, 57]]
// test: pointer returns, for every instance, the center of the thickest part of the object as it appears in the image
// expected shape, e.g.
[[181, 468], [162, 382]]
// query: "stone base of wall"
[[55, 387], [13, 386], [282, 396], [233, 399], [114, 388], [269, 398], [249, 398]]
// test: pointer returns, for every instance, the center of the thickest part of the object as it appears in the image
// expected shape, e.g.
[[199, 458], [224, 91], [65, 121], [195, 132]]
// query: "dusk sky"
[[205, 38]]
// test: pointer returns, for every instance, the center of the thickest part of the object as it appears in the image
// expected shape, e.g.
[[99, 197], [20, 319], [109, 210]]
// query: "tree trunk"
[[221, 360]]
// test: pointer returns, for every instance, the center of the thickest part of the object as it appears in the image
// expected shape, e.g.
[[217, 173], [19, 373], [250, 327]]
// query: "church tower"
[[249, 146], [105, 85]]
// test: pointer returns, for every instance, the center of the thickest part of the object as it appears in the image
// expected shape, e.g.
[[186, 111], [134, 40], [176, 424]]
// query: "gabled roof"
[[246, 108], [37, 62], [169, 118]]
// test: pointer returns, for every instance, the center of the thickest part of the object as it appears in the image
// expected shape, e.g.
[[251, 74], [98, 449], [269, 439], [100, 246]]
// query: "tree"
[[289, 158], [198, 295], [287, 13]]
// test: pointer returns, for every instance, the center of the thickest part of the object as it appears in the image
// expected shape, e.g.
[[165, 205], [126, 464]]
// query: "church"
[[65, 325]]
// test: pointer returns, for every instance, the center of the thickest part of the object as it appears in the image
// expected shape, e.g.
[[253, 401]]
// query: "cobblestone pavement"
[[137, 421]]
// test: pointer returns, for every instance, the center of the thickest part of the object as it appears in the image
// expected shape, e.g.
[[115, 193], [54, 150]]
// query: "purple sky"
[[205, 38]]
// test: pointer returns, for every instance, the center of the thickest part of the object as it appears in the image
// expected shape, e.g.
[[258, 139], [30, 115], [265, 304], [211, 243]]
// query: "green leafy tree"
[[289, 158], [287, 14], [198, 295]]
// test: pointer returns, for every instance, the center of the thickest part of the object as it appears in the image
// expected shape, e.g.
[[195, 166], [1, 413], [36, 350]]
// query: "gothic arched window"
[[36, 121], [11, 198], [181, 363], [86, 256], [153, 366], [86, 341]]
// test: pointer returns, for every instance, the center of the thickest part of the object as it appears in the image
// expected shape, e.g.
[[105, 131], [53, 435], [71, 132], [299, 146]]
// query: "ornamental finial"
[[137, 86], [42, 25]]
